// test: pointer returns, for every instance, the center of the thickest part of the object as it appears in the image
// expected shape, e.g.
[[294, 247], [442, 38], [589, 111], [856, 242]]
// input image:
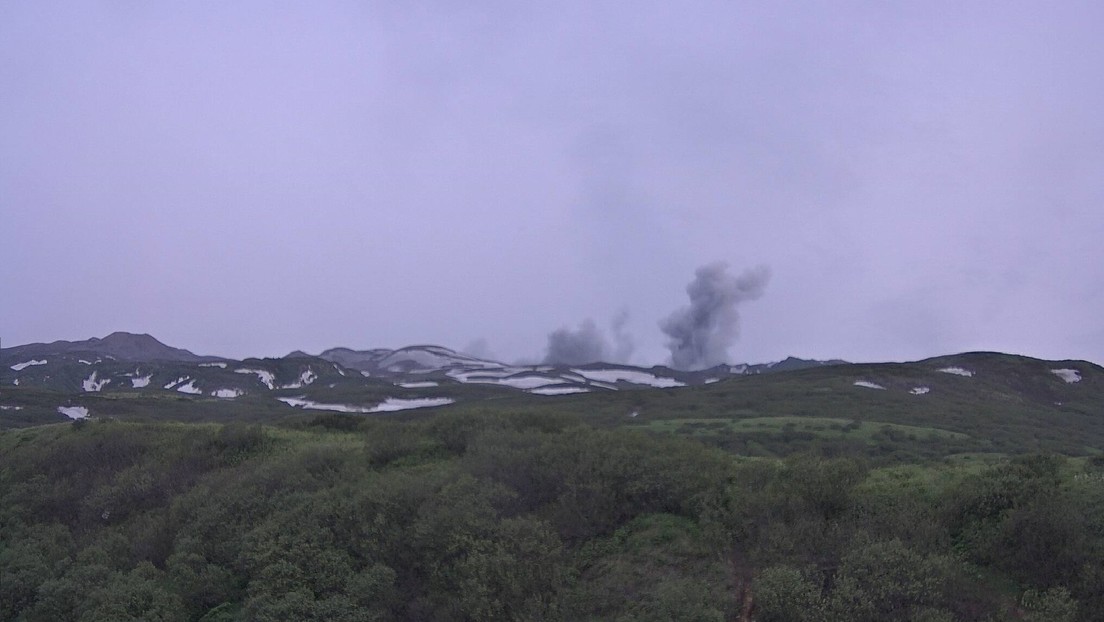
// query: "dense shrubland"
[[480, 517]]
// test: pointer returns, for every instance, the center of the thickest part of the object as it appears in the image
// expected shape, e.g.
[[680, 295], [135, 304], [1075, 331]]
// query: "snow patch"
[[418, 385], [628, 375], [919, 390], [559, 390], [393, 403], [91, 384], [73, 412], [528, 381], [422, 359], [189, 388], [139, 383], [84, 362], [481, 375], [6, 407], [265, 377], [389, 405], [228, 393], [305, 378], [300, 402], [958, 371], [868, 385], [176, 382], [1069, 375], [221, 365], [22, 366]]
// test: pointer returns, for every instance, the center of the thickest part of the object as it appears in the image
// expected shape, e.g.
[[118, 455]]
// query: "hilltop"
[[420, 483], [119, 345], [127, 367], [962, 403]]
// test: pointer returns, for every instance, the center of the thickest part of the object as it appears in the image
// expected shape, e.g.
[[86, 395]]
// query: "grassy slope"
[[1011, 404]]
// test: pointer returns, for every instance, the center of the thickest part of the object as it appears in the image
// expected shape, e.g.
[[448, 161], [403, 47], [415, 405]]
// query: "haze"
[[250, 178]]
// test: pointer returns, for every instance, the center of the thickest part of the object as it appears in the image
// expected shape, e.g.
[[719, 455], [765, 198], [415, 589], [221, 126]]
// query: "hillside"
[[124, 373], [959, 404], [120, 346], [973, 402], [421, 484]]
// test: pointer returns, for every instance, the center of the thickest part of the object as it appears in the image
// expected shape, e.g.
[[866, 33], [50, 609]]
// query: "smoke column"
[[575, 347], [623, 343], [588, 344], [701, 334], [479, 348]]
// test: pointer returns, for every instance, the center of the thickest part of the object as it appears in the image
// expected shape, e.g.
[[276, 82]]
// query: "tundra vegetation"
[[794, 497]]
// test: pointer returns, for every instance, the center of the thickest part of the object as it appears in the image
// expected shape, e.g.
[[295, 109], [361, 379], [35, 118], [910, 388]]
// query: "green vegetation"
[[795, 496], [527, 517]]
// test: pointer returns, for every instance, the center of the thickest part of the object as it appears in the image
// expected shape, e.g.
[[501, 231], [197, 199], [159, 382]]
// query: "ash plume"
[[479, 348], [623, 342], [701, 333], [589, 344]]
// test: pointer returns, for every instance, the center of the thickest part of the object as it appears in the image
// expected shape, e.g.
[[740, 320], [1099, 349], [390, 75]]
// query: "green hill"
[[830, 493]]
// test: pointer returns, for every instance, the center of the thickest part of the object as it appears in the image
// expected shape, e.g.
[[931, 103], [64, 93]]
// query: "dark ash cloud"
[[589, 344], [701, 333]]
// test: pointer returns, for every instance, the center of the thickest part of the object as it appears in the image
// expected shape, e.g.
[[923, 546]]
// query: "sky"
[[250, 178]]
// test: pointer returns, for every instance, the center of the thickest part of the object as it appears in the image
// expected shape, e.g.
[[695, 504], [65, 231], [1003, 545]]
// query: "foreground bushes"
[[527, 518]]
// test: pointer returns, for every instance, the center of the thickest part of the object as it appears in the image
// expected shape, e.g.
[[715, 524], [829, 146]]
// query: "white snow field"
[[958, 371], [189, 388], [305, 378], [265, 377], [300, 402], [394, 403], [22, 366], [420, 359], [91, 384], [1069, 375], [389, 405], [528, 381], [481, 375], [559, 390], [919, 390], [628, 375], [73, 412], [868, 385], [140, 382]]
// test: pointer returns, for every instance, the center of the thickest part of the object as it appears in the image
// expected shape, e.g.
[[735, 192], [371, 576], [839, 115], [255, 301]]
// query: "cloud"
[[701, 334], [589, 343], [480, 348], [586, 344], [623, 342]]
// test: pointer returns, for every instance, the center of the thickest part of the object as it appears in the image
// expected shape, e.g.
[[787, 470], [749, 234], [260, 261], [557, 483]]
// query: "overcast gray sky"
[[247, 178]]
